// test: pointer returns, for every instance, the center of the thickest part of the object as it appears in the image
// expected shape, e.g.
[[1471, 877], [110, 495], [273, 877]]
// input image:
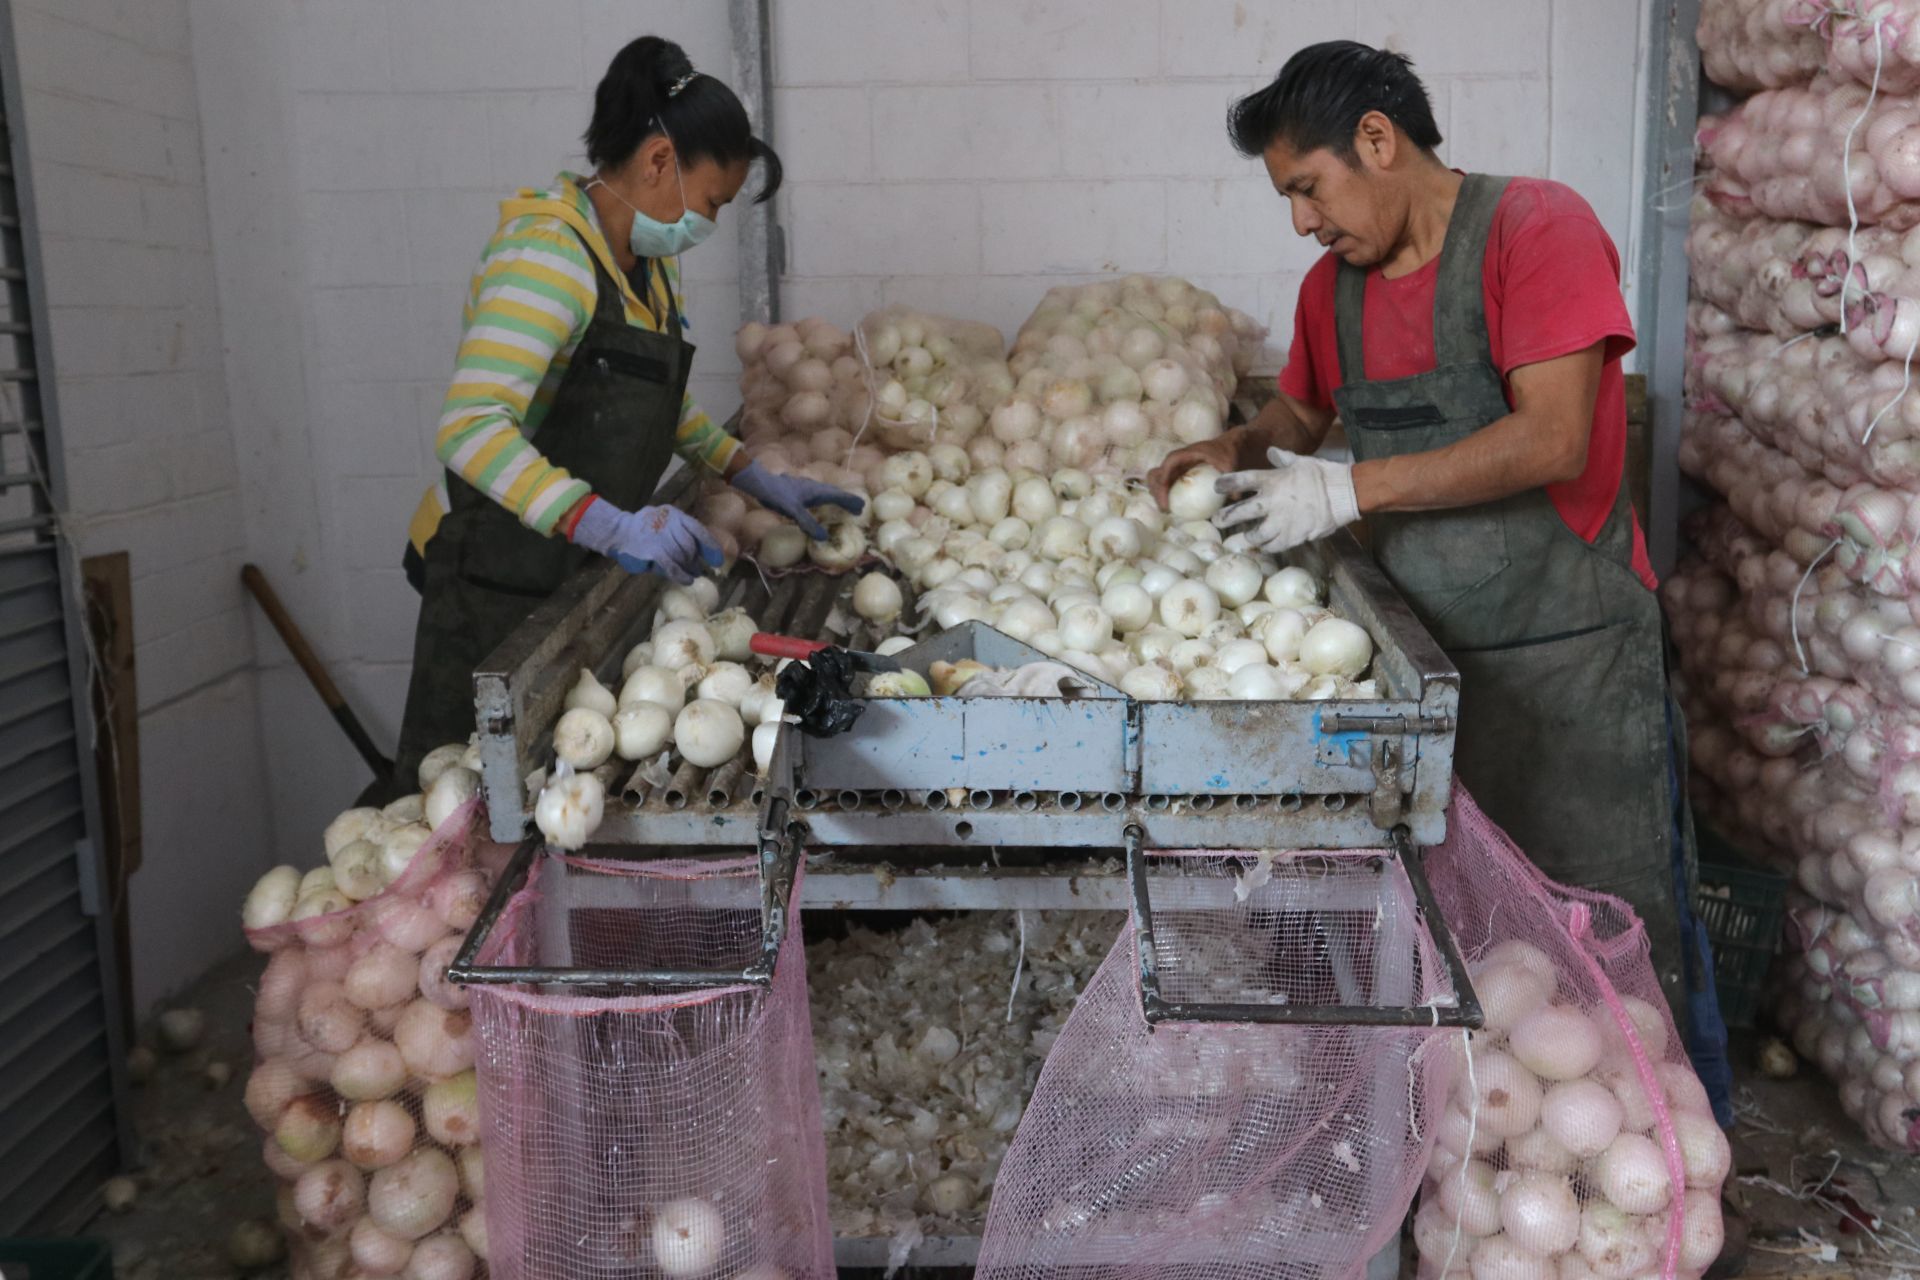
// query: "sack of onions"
[[363, 1080], [1576, 1137]]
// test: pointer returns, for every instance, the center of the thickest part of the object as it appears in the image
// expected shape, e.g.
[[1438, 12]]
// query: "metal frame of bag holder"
[[779, 858], [1462, 1011]]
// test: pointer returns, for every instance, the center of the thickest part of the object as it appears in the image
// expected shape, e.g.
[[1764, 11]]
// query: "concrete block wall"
[[115, 153], [965, 155]]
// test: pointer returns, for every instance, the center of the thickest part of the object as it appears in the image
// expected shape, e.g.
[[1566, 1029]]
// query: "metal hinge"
[[1360, 722]]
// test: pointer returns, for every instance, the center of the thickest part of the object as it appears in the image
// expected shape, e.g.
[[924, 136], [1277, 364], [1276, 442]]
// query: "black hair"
[[1318, 98], [650, 87]]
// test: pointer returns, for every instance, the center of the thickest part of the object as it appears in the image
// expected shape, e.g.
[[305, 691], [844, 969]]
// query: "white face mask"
[[651, 238]]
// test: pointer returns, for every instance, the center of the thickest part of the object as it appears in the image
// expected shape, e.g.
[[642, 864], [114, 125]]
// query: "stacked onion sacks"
[[1549, 1161], [1106, 377], [364, 1080]]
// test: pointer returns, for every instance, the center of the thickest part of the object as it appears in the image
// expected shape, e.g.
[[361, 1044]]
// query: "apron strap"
[[1459, 300], [1459, 307]]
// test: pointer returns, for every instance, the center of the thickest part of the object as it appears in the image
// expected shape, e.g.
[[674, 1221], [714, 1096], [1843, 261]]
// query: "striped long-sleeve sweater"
[[527, 308]]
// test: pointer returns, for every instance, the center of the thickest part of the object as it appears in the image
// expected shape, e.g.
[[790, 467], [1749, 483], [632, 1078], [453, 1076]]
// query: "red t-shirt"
[[1552, 287]]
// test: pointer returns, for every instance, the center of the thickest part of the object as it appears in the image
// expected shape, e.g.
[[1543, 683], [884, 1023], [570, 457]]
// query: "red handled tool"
[[768, 645]]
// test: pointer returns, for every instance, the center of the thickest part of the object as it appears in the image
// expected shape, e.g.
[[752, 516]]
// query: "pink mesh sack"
[[637, 1131], [1576, 1127], [363, 1079], [1192, 1149]]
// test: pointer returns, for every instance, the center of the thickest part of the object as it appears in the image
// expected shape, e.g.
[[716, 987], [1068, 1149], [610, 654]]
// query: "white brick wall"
[[1077, 136], [114, 148]]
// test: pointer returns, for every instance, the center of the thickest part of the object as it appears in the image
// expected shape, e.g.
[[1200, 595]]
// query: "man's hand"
[[1222, 453], [1282, 422], [662, 540], [1299, 500], [792, 495]]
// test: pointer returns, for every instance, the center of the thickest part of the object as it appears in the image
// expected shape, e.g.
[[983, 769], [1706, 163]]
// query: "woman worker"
[[569, 391]]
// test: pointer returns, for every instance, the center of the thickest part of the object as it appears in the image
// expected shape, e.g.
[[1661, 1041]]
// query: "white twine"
[[1019, 961], [1466, 1157], [1846, 172], [1906, 382], [873, 398], [1793, 611]]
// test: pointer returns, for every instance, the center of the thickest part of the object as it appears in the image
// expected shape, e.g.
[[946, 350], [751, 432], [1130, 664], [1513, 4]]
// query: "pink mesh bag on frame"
[[649, 1135], [1586, 1124], [1210, 1149]]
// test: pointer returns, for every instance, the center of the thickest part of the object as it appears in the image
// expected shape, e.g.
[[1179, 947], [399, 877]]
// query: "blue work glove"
[[792, 495], [662, 540]]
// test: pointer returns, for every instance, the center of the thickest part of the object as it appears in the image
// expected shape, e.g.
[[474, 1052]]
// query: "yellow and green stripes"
[[531, 299]]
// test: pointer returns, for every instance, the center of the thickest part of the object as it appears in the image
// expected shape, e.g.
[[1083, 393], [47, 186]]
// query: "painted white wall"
[[964, 157], [116, 158]]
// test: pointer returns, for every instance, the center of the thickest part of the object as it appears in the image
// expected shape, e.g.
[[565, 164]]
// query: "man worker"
[[1467, 331]]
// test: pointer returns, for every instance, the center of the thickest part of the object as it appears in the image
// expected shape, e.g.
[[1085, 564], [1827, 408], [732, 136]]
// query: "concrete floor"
[[202, 1172]]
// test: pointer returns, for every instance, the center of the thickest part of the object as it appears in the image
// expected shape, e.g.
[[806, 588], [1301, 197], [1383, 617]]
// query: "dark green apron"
[[1563, 688], [612, 424]]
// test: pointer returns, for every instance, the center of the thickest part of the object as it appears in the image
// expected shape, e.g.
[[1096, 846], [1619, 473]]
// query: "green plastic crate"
[[1741, 904], [73, 1258]]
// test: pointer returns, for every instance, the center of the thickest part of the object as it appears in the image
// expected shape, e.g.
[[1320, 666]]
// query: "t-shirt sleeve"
[[1559, 282], [1303, 377]]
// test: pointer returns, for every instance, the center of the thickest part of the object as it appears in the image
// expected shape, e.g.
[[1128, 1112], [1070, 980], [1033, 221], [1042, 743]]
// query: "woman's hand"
[[792, 495], [662, 540]]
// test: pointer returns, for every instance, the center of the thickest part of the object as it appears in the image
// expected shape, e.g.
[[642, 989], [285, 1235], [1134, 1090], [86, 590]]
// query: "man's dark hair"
[[651, 86], [1319, 96]]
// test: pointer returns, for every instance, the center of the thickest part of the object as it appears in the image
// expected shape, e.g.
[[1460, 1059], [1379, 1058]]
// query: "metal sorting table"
[[943, 804]]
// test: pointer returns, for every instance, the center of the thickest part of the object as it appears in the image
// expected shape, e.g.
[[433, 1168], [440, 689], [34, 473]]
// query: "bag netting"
[[363, 1079], [643, 1135], [1586, 1125], [1218, 1150]]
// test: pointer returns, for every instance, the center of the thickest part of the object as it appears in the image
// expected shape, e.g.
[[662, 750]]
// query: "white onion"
[[1538, 1212], [1189, 655], [376, 1134], [1061, 537], [1334, 646], [441, 1257], [1117, 538], [569, 809], [726, 682], [1583, 1116], [1556, 1043], [1468, 1198], [1236, 654], [708, 732], [1704, 1150], [1085, 626], [877, 598], [732, 634], [1508, 1094], [764, 737], [1500, 1258], [1632, 1173], [583, 739], [688, 1237], [1281, 631], [1150, 682], [272, 898], [845, 543], [1188, 607], [411, 1198], [682, 643], [659, 685], [1130, 607], [1235, 579], [329, 1195], [782, 547], [1164, 380], [1257, 682], [589, 692], [1192, 496], [641, 730], [1292, 587]]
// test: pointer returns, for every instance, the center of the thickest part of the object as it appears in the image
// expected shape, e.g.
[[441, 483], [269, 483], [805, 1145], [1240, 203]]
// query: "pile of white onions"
[[363, 1079], [694, 692], [1090, 571], [923, 1075], [1105, 377], [1548, 1160]]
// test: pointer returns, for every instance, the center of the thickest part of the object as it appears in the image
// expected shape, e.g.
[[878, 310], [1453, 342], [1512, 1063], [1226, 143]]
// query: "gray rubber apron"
[[1563, 729], [612, 424]]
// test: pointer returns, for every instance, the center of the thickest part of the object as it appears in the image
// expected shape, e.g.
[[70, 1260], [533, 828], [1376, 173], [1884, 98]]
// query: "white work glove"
[[1301, 499]]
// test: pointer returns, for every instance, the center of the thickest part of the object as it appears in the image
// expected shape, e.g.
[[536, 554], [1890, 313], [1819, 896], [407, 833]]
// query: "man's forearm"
[[1276, 426], [1503, 458]]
